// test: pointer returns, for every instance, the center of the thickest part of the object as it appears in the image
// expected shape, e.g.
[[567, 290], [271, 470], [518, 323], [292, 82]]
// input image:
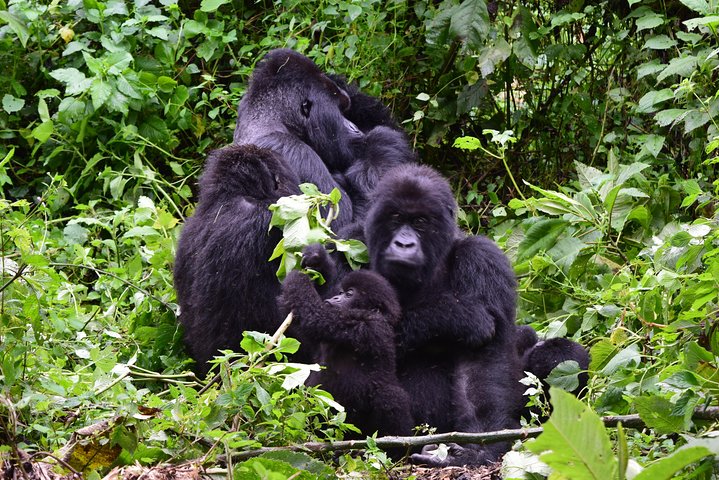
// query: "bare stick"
[[630, 421]]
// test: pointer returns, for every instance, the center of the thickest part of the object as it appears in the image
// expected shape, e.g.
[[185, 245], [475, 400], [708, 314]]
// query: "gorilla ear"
[[306, 107]]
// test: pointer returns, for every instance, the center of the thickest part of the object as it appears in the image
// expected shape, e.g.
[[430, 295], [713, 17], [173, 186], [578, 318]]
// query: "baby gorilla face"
[[344, 299]]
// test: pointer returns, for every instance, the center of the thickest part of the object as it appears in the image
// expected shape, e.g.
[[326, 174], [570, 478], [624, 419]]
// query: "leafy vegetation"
[[601, 187]]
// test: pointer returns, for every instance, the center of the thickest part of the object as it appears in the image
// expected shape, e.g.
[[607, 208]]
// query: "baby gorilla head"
[[368, 291]]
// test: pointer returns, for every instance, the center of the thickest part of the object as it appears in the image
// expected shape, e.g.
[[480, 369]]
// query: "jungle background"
[[581, 136]]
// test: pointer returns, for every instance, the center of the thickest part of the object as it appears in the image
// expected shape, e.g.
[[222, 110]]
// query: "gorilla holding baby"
[[291, 129], [354, 334], [456, 341]]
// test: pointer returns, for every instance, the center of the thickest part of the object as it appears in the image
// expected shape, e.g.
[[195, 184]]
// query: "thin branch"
[[629, 421]]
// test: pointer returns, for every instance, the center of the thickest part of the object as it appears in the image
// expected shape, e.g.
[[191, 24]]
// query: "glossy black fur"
[[294, 109], [355, 335], [322, 144], [457, 354], [224, 283]]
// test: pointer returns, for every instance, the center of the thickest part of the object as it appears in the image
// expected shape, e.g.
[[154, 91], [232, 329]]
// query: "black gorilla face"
[[411, 227], [287, 88], [368, 291]]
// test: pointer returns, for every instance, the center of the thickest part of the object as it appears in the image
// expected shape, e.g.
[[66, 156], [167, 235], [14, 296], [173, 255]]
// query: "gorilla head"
[[368, 291], [288, 93], [411, 228], [244, 171]]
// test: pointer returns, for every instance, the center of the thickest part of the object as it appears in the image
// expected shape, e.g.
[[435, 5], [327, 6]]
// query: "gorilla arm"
[[475, 304]]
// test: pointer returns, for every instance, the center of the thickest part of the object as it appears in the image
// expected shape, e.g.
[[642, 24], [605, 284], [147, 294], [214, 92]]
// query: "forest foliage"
[[581, 136]]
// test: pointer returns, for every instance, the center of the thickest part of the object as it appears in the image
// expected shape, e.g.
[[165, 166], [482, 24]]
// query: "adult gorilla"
[[457, 356], [224, 283], [293, 108]]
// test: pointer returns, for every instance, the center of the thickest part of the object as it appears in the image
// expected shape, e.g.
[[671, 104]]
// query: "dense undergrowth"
[[602, 189]]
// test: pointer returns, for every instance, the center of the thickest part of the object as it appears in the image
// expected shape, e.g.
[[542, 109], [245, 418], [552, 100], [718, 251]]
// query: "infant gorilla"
[[355, 334]]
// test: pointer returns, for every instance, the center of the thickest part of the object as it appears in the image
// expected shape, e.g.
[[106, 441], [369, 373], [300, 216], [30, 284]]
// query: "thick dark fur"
[[294, 109], [355, 335], [224, 283], [322, 144], [457, 354], [545, 355]]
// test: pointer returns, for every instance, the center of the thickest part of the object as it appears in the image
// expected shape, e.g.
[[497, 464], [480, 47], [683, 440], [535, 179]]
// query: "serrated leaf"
[[575, 443], [142, 231], [100, 91], [683, 66], [699, 6], [542, 235], [493, 55], [656, 412]]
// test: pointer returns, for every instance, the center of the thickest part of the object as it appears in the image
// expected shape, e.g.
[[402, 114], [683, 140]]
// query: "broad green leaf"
[[140, 232], [43, 131], [695, 119], [467, 143], [565, 376], [588, 176], [540, 236], [666, 468], [711, 21], [622, 452], [212, 5], [16, 25], [656, 411], [683, 66], [670, 116], [100, 91], [649, 20], [11, 104], [651, 144], [659, 42], [650, 99], [575, 443], [699, 6], [629, 171], [566, 251], [650, 68], [627, 357], [296, 233], [493, 55]]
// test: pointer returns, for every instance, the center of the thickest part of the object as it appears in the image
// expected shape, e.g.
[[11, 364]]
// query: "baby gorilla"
[[355, 334]]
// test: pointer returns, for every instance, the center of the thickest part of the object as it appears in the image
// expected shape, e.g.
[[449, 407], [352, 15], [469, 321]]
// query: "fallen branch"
[[628, 421]]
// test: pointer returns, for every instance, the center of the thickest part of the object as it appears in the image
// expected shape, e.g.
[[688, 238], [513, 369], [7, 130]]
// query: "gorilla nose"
[[404, 243], [405, 238]]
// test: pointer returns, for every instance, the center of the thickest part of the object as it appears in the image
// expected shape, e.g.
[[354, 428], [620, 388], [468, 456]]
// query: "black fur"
[[294, 109], [321, 144], [224, 283], [457, 354], [355, 334], [545, 355]]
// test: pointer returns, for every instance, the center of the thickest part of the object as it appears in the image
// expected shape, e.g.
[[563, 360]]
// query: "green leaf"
[[575, 443], [683, 66], [540, 236], [11, 104], [650, 99], [660, 42], [670, 116], [16, 25], [649, 20], [140, 232], [565, 376], [100, 91], [467, 143], [212, 5], [43, 131], [666, 468], [699, 6], [493, 55], [656, 411]]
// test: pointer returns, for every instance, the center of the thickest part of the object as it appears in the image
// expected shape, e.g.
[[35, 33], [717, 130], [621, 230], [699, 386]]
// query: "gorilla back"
[[224, 283]]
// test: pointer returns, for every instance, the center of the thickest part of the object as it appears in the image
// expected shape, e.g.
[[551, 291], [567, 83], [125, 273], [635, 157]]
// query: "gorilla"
[[355, 334], [293, 108], [457, 355], [545, 355], [224, 283]]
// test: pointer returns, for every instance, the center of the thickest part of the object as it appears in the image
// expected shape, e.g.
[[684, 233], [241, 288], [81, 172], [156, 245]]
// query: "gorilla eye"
[[350, 292], [277, 182], [306, 107], [419, 222]]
